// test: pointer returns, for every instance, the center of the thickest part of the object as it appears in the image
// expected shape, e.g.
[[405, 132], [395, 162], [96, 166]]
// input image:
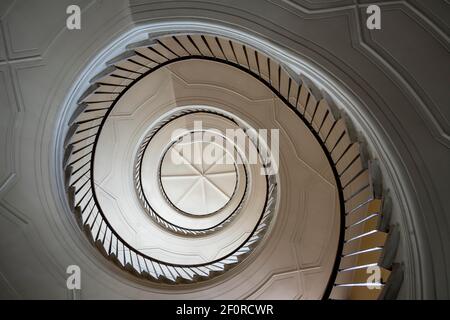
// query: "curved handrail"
[[332, 134]]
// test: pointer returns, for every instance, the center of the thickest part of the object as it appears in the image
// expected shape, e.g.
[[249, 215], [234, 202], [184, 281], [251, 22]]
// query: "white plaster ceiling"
[[308, 193]]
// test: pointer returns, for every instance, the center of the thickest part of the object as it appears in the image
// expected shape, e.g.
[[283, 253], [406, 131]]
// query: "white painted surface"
[[395, 92]]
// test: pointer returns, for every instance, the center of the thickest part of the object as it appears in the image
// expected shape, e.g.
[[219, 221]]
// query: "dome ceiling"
[[198, 187]]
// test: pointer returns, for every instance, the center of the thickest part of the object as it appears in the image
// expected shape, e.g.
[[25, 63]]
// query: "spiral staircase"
[[365, 237], [115, 158]]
